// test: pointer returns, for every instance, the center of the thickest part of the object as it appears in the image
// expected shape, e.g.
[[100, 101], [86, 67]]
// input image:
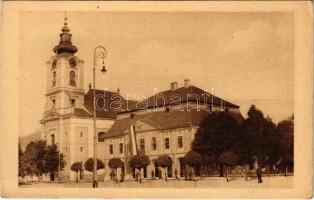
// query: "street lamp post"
[[99, 53]]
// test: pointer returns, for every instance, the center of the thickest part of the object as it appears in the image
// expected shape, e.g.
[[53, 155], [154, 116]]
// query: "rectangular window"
[[72, 78], [154, 143], [142, 145], [52, 139], [167, 144], [101, 137], [81, 149], [110, 149], [54, 76], [53, 103], [180, 141], [121, 148], [81, 134], [73, 102]]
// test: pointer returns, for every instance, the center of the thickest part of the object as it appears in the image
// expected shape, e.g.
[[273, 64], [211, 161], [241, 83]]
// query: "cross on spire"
[[65, 18]]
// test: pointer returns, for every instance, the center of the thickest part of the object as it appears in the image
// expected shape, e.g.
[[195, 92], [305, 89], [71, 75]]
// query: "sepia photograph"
[[160, 99]]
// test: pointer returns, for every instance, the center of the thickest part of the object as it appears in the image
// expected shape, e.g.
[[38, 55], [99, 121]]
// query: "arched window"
[[72, 78], [54, 77]]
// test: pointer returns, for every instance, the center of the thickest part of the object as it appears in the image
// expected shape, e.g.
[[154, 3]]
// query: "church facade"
[[164, 123]]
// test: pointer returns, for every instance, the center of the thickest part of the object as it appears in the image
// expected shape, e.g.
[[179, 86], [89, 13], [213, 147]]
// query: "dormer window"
[[72, 78]]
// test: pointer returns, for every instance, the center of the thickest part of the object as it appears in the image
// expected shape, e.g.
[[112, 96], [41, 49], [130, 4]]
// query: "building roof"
[[176, 119], [162, 120], [121, 125], [108, 103], [182, 94]]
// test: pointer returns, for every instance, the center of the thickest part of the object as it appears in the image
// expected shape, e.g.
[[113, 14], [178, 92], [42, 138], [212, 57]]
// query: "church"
[[164, 123]]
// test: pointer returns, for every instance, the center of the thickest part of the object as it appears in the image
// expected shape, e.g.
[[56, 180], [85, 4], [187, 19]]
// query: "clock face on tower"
[[72, 62]]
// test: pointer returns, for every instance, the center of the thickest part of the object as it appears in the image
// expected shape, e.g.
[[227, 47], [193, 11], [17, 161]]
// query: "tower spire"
[[65, 44]]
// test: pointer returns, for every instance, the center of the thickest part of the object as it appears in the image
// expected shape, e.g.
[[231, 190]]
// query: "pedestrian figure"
[[153, 174], [122, 177], [176, 173], [247, 171], [190, 176], [136, 176], [259, 175], [159, 173], [139, 176], [112, 174]]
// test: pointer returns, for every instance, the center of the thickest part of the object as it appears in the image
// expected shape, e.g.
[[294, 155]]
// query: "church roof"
[[108, 103], [190, 94]]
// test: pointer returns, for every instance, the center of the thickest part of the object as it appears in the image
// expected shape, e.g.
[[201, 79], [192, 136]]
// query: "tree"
[[32, 160], [115, 163], [227, 158], [285, 130], [139, 161], [53, 161], [89, 164], [77, 167], [207, 162], [164, 161], [21, 173], [218, 132], [192, 159], [39, 159], [259, 139]]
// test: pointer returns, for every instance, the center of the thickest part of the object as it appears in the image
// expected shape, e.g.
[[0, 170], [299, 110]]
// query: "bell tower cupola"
[[65, 77], [65, 44]]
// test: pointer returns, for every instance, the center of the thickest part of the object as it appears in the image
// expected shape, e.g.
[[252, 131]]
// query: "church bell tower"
[[65, 77]]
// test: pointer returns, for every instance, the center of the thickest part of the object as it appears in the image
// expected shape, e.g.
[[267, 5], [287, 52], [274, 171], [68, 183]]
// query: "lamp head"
[[103, 69]]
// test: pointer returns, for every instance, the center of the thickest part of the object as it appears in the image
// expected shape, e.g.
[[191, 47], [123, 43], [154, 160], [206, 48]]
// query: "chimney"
[[186, 83], [174, 86]]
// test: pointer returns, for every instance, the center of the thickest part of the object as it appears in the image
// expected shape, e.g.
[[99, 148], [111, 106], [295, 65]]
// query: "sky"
[[247, 57]]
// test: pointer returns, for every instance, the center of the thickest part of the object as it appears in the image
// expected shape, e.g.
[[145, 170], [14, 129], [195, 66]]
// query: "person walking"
[[153, 175], [176, 173], [139, 176], [247, 171], [259, 175], [258, 171]]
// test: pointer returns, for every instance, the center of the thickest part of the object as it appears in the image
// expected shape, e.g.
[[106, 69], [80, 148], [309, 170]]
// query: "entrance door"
[[181, 168], [123, 169], [145, 172], [81, 175], [156, 171], [169, 172]]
